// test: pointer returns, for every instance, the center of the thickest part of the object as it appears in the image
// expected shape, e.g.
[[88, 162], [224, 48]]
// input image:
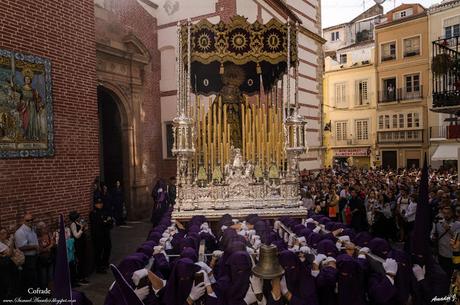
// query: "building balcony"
[[446, 75], [401, 95], [445, 132], [400, 136]]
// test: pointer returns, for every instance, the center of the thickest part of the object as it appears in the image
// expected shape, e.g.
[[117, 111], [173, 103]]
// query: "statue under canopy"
[[231, 96]]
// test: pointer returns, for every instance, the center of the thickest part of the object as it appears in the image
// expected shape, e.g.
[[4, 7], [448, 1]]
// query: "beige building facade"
[[350, 108], [403, 75], [349, 90]]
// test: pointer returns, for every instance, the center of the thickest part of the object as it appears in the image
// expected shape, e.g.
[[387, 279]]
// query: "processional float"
[[238, 139]]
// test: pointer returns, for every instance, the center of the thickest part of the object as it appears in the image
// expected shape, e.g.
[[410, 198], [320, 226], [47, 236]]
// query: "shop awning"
[[446, 152]]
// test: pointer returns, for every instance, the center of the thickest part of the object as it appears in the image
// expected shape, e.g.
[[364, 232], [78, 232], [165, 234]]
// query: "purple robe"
[[351, 286], [298, 279], [121, 292], [233, 286], [180, 282], [326, 282]]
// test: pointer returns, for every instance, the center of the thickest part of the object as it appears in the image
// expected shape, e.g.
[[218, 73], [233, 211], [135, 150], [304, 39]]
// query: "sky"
[[340, 11]]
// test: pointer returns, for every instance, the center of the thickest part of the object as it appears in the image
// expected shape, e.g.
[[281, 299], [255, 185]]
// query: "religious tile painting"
[[26, 109]]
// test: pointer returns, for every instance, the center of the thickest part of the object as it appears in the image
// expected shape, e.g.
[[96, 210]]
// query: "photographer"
[[443, 231]]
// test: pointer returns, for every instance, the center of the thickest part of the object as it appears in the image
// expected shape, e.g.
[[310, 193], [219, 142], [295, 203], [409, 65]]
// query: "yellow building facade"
[[349, 110], [403, 74]]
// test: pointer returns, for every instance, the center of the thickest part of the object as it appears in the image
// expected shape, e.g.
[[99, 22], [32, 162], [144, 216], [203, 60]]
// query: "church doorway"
[[110, 135]]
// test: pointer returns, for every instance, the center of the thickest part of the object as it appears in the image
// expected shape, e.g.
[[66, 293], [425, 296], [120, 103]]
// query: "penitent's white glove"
[[319, 258], [294, 249], [419, 272], [317, 229], [257, 244], [302, 240], [217, 253], [338, 245], [256, 284], [283, 285], [157, 249], [363, 252], [276, 225], [162, 241], [328, 260], [142, 293], [292, 238], [138, 275], [197, 291], [390, 266], [250, 297], [344, 238], [204, 267], [305, 250]]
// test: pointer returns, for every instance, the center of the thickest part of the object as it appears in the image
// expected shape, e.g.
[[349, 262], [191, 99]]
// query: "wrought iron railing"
[[401, 94], [446, 72]]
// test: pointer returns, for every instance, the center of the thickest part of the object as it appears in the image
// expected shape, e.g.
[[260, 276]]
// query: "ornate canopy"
[[258, 48]]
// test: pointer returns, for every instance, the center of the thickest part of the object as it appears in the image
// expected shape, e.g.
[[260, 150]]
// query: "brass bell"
[[268, 266]]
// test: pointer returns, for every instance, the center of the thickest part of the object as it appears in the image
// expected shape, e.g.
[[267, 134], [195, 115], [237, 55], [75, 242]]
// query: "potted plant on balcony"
[[441, 64]]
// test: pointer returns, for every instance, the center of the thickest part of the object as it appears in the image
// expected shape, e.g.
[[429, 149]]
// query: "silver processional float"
[[239, 139]]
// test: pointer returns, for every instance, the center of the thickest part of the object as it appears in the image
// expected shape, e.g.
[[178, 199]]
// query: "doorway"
[[389, 159], [110, 135]]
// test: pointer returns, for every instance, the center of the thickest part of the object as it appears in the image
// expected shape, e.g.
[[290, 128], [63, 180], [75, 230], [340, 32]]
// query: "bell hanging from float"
[[268, 266]]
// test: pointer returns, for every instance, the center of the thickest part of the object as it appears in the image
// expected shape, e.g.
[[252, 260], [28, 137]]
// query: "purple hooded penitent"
[[180, 282], [350, 281], [327, 247], [122, 291], [298, 279], [62, 288], [232, 288], [379, 247], [190, 253], [314, 239], [362, 239]]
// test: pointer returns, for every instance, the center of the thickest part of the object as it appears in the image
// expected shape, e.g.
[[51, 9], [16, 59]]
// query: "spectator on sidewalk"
[[78, 229], [26, 240], [46, 257]]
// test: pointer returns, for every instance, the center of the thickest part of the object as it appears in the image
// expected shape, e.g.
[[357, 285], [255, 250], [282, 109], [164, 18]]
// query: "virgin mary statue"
[[231, 95]]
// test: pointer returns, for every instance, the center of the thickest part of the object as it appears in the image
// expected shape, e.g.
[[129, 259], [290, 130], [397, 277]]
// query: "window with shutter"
[[412, 46], [340, 95], [362, 131], [362, 92], [389, 51], [341, 130]]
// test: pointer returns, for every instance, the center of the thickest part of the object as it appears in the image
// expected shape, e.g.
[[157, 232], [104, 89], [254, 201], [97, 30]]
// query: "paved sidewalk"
[[125, 240]]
